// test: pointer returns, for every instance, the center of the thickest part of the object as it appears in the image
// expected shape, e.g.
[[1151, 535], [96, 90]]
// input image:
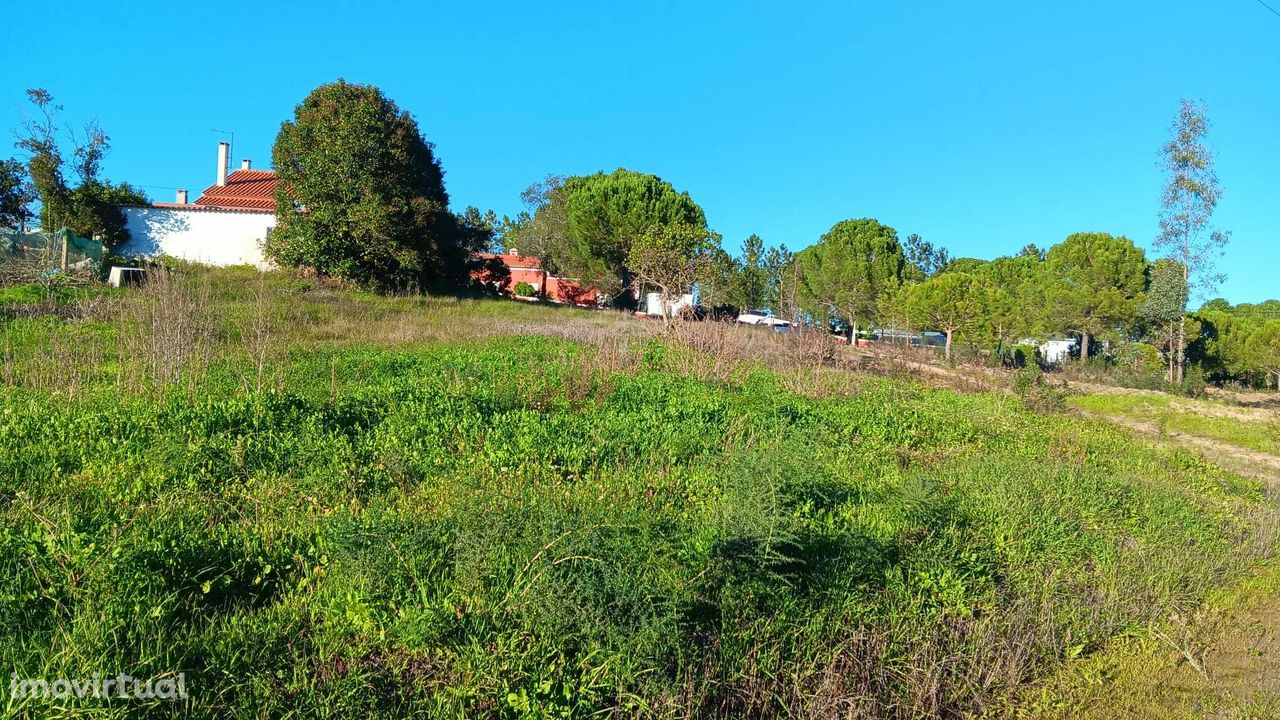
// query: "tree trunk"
[[1084, 346], [1182, 344], [1182, 314], [947, 353]]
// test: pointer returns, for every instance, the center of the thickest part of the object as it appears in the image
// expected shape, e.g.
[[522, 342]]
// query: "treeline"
[[370, 207]]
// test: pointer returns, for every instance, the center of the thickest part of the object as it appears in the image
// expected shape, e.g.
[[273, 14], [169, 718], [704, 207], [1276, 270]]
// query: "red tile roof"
[[513, 261], [245, 189], [210, 208]]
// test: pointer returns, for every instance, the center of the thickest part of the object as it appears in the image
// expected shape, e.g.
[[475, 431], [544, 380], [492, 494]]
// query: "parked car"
[[764, 318]]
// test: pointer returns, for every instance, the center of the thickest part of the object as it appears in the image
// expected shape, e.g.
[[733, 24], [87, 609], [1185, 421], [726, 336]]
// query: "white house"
[[675, 305], [226, 225], [1053, 352]]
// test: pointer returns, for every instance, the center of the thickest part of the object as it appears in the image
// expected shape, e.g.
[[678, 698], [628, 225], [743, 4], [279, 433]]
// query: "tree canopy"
[[950, 302], [672, 258], [842, 276], [16, 194], [1099, 278], [589, 223], [92, 207], [368, 191]]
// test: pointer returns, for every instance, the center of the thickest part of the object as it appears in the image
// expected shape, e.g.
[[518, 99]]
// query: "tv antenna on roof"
[[230, 146]]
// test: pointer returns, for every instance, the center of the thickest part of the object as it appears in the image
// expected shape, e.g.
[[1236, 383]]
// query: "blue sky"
[[981, 126]]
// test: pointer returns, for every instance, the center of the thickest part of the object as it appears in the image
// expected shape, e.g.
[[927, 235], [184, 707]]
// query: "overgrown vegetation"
[[321, 502]]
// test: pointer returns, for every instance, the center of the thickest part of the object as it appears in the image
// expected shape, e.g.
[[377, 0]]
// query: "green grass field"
[[320, 503], [1200, 418]]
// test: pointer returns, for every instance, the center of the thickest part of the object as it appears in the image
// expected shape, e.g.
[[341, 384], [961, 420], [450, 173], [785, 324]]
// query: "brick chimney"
[[224, 162], [182, 197]]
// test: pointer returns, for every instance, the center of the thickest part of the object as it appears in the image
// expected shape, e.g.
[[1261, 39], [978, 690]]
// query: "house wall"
[[535, 277], [569, 291], [210, 237]]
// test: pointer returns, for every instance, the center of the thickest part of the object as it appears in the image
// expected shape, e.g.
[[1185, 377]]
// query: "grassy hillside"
[[316, 502]]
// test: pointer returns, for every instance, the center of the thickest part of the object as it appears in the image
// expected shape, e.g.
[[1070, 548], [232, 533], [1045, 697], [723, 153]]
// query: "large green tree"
[[1015, 298], [1262, 350], [1190, 196], [843, 275], [361, 194], [92, 207], [585, 226], [951, 302], [1100, 277]]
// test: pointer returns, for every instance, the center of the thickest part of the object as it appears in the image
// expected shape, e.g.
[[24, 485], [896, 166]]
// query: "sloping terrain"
[[315, 502]]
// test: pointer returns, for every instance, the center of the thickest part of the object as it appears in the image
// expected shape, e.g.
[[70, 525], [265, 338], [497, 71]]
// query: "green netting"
[[44, 253]]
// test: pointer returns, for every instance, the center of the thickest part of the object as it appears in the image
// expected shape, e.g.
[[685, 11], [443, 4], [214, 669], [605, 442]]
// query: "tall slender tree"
[[1190, 197], [1164, 308], [751, 286]]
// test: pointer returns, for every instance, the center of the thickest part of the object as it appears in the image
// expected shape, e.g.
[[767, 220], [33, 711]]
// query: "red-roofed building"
[[230, 220], [528, 269], [226, 225]]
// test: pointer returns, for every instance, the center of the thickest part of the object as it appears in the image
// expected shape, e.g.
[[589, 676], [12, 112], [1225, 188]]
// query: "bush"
[[1026, 355], [1139, 358], [1036, 393], [524, 289], [1193, 382]]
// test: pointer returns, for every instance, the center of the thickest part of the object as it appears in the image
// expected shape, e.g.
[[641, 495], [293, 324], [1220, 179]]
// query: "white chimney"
[[513, 251], [246, 164], [224, 162], [182, 197]]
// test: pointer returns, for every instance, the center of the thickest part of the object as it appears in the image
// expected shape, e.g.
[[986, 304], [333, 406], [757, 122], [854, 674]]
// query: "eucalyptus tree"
[[1163, 308], [1190, 196], [91, 206]]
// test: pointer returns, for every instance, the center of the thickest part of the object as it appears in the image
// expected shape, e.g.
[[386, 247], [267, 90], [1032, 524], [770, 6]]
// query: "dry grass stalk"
[[172, 330]]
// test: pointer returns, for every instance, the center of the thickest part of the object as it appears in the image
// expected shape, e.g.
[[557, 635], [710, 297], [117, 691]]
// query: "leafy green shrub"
[[524, 289], [1026, 355], [1036, 393], [1139, 358], [1193, 382]]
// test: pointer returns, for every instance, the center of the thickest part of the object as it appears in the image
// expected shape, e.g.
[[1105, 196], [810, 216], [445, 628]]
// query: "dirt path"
[[1247, 462]]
